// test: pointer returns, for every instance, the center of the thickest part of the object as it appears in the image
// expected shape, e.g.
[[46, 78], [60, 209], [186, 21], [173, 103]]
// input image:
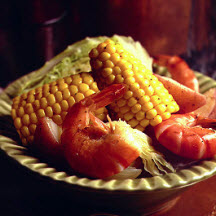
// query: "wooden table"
[[199, 200]]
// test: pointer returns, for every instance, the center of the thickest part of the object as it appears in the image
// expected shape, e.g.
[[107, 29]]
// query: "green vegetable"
[[74, 59], [153, 161]]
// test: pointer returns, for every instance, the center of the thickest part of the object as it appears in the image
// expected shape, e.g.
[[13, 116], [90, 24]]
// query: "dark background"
[[33, 31]]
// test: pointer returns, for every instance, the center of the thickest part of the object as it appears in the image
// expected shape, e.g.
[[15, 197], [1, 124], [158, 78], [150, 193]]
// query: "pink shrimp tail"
[[179, 69], [188, 135], [79, 114], [108, 95]]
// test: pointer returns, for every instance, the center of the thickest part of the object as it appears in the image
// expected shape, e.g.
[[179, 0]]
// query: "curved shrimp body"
[[91, 146], [188, 135], [179, 70]]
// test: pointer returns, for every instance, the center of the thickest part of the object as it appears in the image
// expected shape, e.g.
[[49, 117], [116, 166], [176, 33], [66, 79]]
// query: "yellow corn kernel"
[[32, 128], [130, 80], [156, 120], [79, 96], [40, 113], [101, 47], [114, 57], [49, 111], [24, 96], [99, 111], [38, 95], [110, 79], [43, 102], [140, 128], [68, 80], [63, 86], [128, 116], [132, 101], [30, 99], [150, 114], [140, 115], [64, 105], [83, 87], [98, 64], [104, 56], [23, 103], [87, 78], [136, 108], [51, 100], [89, 92], [138, 93], [17, 123], [106, 72], [133, 122], [110, 48], [73, 89], [58, 96], [117, 70], [134, 87], [60, 81], [165, 115], [155, 99], [29, 108], [144, 123], [108, 64], [45, 88], [65, 93], [63, 114], [56, 108], [121, 102], [146, 95], [161, 108], [94, 53], [94, 86], [71, 101], [147, 106], [20, 111], [13, 113], [124, 109], [128, 94], [33, 118], [25, 131], [54, 89], [76, 81], [119, 79], [26, 119]]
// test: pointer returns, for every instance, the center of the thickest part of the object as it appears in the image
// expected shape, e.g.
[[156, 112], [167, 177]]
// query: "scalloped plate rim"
[[105, 185], [140, 184]]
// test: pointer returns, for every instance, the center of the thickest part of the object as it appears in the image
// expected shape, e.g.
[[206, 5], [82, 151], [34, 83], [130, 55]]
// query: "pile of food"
[[103, 111]]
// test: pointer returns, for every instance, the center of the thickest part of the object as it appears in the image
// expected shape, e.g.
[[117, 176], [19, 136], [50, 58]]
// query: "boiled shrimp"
[[91, 147], [179, 70], [101, 150], [188, 135]]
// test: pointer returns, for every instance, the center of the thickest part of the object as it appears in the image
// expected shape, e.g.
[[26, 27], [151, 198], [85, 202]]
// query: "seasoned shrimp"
[[179, 70], [92, 147], [188, 135], [101, 150]]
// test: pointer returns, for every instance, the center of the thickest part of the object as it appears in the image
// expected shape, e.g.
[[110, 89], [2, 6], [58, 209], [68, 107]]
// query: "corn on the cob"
[[146, 101], [52, 100]]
